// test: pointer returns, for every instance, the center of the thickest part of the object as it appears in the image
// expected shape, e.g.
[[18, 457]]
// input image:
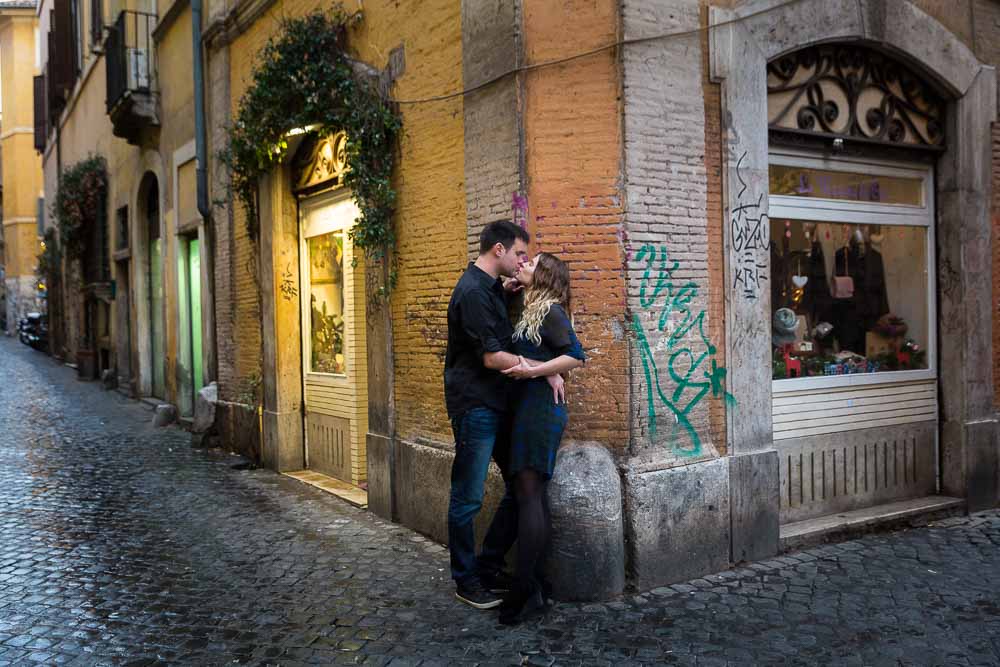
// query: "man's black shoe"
[[497, 581], [475, 595]]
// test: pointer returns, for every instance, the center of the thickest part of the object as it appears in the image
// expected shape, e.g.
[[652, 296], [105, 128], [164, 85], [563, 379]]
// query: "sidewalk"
[[119, 544]]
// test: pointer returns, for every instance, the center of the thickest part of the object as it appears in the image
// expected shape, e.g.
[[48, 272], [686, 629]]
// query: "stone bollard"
[[586, 560], [204, 408], [164, 414]]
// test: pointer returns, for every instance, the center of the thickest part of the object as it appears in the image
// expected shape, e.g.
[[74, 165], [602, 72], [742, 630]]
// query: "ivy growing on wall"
[[79, 198], [50, 259], [304, 78]]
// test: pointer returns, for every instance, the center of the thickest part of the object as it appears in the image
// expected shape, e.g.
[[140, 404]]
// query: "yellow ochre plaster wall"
[[430, 220]]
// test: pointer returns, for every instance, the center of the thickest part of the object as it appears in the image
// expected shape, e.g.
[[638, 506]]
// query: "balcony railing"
[[131, 56]]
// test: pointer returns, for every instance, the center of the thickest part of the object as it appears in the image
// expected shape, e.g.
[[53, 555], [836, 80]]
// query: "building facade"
[[778, 216], [20, 168], [699, 167], [131, 309]]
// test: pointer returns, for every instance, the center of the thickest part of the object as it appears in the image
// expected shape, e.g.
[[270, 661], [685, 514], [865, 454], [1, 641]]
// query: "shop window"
[[326, 303], [795, 181], [851, 272]]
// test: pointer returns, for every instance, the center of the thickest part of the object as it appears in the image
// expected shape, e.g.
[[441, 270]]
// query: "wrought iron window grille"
[[855, 92]]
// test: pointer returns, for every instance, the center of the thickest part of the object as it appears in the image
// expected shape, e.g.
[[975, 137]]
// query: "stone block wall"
[[995, 169]]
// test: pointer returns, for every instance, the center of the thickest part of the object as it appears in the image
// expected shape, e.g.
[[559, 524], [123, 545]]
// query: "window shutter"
[[96, 24], [39, 93], [62, 53]]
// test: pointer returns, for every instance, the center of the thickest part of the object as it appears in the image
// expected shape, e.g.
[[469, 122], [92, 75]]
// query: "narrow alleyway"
[[119, 544]]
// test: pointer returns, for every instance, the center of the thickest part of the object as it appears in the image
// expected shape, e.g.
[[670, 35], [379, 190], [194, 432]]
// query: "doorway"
[[154, 266], [123, 325], [333, 345], [189, 274]]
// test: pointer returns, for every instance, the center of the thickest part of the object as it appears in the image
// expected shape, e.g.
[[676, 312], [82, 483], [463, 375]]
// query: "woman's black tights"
[[532, 525]]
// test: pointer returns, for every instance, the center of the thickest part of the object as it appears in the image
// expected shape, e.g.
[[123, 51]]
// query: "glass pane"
[[847, 298], [826, 184], [326, 303]]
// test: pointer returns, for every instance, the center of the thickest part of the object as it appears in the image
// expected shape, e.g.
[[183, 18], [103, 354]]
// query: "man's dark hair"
[[501, 231]]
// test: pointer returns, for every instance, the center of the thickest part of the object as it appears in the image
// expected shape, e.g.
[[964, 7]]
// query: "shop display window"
[[848, 298], [326, 303]]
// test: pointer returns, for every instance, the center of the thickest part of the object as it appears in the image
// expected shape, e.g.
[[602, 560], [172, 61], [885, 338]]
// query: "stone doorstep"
[[149, 401], [352, 494], [845, 525]]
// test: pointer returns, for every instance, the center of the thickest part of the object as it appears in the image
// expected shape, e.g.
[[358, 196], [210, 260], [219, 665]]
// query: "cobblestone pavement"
[[119, 544]]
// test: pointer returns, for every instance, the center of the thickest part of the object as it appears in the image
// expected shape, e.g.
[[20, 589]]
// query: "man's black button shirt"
[[477, 324]]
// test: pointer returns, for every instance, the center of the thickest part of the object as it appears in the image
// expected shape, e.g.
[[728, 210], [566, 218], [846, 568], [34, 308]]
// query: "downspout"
[[60, 339], [201, 171]]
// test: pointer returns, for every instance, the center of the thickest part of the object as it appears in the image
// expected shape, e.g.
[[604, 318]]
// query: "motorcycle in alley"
[[32, 330]]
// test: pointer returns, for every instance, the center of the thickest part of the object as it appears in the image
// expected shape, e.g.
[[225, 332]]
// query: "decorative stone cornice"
[[225, 27], [169, 18]]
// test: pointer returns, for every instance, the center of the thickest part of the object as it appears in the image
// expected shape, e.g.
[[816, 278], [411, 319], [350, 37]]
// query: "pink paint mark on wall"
[[519, 205]]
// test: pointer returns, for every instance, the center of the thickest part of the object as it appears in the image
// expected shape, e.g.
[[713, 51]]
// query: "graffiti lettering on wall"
[[692, 374], [750, 239], [287, 286]]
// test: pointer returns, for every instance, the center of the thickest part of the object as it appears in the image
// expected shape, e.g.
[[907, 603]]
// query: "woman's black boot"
[[520, 603]]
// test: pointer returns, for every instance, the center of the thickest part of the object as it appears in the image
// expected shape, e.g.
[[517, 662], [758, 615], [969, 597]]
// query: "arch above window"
[[856, 92], [320, 161]]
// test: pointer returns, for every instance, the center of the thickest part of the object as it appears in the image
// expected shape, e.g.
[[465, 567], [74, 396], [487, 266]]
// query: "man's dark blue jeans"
[[480, 434]]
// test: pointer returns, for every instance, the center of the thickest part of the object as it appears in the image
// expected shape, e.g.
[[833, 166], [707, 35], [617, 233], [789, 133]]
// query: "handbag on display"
[[843, 286]]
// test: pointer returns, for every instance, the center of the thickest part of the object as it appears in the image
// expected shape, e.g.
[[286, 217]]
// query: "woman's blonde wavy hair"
[[549, 285]]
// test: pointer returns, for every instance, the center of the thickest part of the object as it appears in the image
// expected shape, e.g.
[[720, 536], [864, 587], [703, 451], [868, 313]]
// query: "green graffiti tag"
[[683, 364]]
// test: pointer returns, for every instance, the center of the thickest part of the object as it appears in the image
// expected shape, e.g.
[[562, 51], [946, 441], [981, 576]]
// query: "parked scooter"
[[33, 330]]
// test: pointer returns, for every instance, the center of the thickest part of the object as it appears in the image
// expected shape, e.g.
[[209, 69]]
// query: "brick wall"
[[669, 287], [573, 166], [985, 41], [431, 218], [493, 126], [714, 213], [218, 104], [240, 354]]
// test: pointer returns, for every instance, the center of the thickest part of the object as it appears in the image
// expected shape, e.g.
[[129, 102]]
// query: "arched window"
[[853, 91]]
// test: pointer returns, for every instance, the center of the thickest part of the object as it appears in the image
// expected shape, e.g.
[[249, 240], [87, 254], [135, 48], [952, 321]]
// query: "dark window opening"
[[121, 223]]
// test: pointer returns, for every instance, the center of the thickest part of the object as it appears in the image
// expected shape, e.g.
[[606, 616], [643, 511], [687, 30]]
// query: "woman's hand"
[[522, 371], [512, 285], [558, 388]]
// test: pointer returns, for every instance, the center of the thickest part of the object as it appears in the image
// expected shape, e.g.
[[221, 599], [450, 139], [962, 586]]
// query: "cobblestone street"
[[120, 544]]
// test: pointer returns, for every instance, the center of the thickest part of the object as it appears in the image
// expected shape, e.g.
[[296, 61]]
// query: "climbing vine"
[[78, 202], [50, 259], [304, 79]]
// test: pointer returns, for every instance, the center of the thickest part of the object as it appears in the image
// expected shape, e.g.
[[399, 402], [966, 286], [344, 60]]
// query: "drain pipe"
[[201, 164]]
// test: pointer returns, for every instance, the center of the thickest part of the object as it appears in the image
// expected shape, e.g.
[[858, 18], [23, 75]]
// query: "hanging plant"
[[79, 198], [304, 78], [50, 259]]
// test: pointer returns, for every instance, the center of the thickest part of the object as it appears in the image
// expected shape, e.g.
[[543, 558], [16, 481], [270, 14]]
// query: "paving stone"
[[120, 544]]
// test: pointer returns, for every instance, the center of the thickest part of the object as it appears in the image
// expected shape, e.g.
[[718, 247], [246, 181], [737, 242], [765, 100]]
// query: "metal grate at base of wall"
[[840, 472]]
